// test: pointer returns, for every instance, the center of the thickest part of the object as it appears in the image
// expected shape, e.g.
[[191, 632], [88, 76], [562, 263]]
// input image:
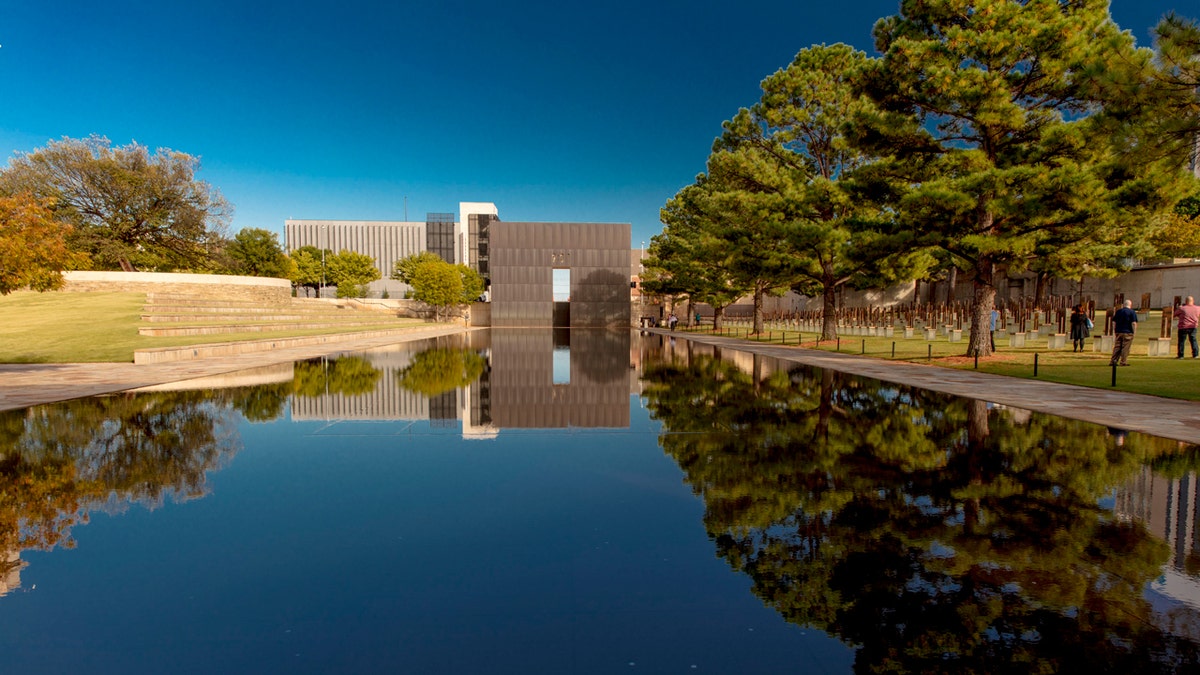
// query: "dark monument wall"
[[524, 255]]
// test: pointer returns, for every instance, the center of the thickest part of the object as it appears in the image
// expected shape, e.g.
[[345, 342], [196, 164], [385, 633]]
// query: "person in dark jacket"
[[1124, 326], [1081, 328]]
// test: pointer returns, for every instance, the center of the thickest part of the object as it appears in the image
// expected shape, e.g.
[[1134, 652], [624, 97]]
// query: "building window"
[[439, 235]]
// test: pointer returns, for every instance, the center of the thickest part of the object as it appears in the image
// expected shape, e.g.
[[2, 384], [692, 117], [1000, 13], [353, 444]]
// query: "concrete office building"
[[385, 241], [461, 239]]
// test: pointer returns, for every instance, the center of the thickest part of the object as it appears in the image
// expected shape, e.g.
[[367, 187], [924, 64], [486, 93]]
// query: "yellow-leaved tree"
[[33, 245]]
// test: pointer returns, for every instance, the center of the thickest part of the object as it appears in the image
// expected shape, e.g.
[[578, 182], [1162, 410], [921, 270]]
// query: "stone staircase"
[[169, 315]]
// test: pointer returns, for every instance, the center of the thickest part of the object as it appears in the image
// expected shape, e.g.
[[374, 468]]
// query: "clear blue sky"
[[552, 110]]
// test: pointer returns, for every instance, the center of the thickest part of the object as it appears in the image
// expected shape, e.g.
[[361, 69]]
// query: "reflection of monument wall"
[[523, 390]]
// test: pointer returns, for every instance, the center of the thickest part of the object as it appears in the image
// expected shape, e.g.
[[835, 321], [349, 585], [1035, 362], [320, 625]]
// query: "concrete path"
[[23, 385], [1169, 418]]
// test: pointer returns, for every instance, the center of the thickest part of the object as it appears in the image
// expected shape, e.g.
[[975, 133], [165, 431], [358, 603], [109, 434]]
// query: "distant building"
[[461, 239], [537, 274]]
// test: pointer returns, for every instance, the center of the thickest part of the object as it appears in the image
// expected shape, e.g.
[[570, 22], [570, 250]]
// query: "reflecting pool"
[[586, 501]]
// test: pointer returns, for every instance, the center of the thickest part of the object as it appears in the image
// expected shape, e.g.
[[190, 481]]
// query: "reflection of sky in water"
[[388, 539]]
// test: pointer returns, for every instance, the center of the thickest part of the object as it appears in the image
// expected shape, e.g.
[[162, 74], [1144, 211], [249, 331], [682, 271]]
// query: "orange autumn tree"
[[33, 245]]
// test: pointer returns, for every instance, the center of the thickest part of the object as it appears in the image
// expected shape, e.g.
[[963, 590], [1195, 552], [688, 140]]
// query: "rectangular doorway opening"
[[561, 288]]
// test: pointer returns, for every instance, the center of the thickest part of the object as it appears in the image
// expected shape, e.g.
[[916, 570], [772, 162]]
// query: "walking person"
[[1125, 322], [672, 320], [1188, 315], [992, 332], [1081, 327]]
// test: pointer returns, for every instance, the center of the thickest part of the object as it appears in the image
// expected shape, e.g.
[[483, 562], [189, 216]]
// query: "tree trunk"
[[758, 310], [951, 281], [824, 406], [977, 425], [981, 309], [718, 317], [829, 312], [691, 312], [1039, 290]]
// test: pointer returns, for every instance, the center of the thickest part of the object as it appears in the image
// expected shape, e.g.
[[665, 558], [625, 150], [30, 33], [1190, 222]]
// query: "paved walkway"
[[23, 385], [1169, 418]]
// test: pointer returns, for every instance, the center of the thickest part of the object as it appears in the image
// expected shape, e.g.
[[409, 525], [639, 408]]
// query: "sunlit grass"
[[1158, 375], [60, 327]]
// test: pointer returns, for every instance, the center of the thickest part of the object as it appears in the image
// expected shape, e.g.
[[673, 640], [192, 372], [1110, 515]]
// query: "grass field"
[[98, 327], [1159, 375]]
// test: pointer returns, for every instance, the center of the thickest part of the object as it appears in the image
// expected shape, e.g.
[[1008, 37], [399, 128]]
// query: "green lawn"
[[1159, 375], [99, 327]]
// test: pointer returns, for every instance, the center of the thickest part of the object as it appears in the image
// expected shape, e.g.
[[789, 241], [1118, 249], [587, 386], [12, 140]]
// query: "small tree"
[[256, 252], [351, 272], [33, 245], [438, 284], [403, 268], [692, 253], [472, 284], [308, 269]]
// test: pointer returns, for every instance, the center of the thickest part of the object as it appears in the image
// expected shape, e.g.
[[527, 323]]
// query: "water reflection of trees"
[[436, 371], [345, 375], [934, 533], [60, 461]]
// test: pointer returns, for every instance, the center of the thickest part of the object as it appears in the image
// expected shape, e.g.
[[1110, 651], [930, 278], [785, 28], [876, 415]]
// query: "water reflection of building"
[[385, 401], [1168, 508], [10, 571], [544, 379], [536, 378]]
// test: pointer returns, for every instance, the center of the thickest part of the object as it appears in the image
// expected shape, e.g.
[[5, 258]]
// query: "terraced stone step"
[[174, 298], [243, 315], [219, 329], [215, 306]]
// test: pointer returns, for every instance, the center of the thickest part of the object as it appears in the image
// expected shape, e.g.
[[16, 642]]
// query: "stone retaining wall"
[[229, 287]]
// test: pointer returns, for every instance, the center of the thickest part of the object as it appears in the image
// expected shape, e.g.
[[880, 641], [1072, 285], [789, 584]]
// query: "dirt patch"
[[970, 360]]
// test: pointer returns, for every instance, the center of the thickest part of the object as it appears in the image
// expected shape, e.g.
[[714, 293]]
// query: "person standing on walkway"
[[992, 332], [1124, 326], [1081, 328], [1188, 315], [672, 320]]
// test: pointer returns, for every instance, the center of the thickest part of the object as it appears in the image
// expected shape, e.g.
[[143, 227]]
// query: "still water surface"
[[530, 501]]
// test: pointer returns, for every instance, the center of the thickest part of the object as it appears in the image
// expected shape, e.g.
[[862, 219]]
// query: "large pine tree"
[[994, 115]]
